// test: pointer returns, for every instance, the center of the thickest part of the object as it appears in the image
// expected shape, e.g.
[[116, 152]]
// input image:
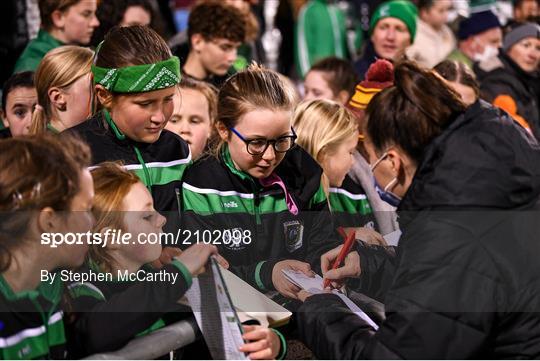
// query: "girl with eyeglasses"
[[258, 198]]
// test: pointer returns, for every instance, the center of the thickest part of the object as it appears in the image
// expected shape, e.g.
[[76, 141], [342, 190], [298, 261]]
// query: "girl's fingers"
[[248, 328], [291, 291], [265, 354], [328, 258], [222, 261], [256, 334], [255, 346]]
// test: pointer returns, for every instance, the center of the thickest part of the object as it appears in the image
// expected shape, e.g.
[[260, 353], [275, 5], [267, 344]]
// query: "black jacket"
[[502, 76], [32, 322], [166, 159], [369, 56], [251, 225], [104, 315], [466, 282]]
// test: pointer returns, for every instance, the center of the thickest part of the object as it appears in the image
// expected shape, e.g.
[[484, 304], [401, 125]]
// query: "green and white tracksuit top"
[[31, 322], [107, 314], [350, 206], [159, 165], [251, 225]]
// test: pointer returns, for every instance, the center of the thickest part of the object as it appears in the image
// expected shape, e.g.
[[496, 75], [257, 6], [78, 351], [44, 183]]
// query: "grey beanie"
[[527, 30]]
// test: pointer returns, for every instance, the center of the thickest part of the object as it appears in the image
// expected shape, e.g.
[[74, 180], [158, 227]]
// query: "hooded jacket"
[[465, 281]]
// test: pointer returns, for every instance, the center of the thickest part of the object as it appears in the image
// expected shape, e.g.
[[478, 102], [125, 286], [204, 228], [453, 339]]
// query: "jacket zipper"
[[257, 202], [45, 320]]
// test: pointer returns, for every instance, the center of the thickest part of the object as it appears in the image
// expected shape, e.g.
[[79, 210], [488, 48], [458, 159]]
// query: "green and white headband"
[[139, 78]]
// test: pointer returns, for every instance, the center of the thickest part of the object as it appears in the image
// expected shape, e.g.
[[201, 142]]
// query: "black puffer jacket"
[[502, 76], [466, 282]]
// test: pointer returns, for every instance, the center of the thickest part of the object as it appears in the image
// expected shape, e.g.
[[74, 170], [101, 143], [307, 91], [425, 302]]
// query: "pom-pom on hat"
[[379, 76]]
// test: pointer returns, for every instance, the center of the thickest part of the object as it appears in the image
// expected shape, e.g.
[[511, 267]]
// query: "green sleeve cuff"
[[258, 279], [185, 272], [283, 352]]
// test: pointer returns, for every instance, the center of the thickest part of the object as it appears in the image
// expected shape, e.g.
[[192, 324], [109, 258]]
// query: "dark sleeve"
[[321, 234], [106, 325], [493, 86], [378, 265], [258, 275], [440, 305], [332, 331]]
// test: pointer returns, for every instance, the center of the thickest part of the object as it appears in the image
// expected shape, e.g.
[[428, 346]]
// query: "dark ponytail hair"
[[456, 71], [413, 112]]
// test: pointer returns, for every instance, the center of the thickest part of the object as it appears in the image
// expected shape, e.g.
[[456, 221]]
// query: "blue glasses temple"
[[244, 139]]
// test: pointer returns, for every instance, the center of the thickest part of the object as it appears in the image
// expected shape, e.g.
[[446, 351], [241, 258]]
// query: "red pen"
[[349, 240]]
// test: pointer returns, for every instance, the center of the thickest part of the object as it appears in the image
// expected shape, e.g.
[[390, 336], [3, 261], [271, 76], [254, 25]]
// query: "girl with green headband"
[[135, 79]]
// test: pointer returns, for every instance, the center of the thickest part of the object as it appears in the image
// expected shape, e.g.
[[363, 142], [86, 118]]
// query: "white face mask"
[[489, 52]]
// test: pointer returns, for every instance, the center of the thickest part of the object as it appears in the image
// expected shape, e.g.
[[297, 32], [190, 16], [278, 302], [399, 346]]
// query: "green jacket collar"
[[45, 38], [51, 292], [226, 156]]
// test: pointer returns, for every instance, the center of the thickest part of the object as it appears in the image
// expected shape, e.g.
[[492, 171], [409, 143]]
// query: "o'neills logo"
[[231, 204]]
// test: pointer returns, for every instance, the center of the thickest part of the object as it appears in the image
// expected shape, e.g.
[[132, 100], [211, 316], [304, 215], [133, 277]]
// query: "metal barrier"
[[156, 344]]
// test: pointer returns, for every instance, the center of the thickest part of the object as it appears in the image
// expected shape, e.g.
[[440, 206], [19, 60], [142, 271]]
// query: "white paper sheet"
[[392, 238], [213, 310], [314, 285]]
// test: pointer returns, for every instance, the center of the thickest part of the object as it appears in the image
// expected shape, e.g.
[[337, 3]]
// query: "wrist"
[[282, 344]]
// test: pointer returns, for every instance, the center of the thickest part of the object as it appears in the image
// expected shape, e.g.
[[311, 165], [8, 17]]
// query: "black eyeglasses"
[[259, 145]]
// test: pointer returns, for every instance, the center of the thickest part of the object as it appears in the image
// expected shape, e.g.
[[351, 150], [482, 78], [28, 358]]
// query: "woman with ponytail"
[[463, 281], [64, 89]]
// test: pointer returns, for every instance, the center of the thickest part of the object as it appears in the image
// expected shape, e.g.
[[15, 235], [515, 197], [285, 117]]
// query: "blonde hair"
[[207, 90], [254, 88], [112, 183], [321, 126], [60, 67]]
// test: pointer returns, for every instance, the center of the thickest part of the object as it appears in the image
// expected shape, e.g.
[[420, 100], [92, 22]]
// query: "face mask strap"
[[385, 154], [391, 185]]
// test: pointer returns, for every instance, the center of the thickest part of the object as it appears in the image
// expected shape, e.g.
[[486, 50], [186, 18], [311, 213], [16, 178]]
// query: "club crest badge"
[[294, 234]]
